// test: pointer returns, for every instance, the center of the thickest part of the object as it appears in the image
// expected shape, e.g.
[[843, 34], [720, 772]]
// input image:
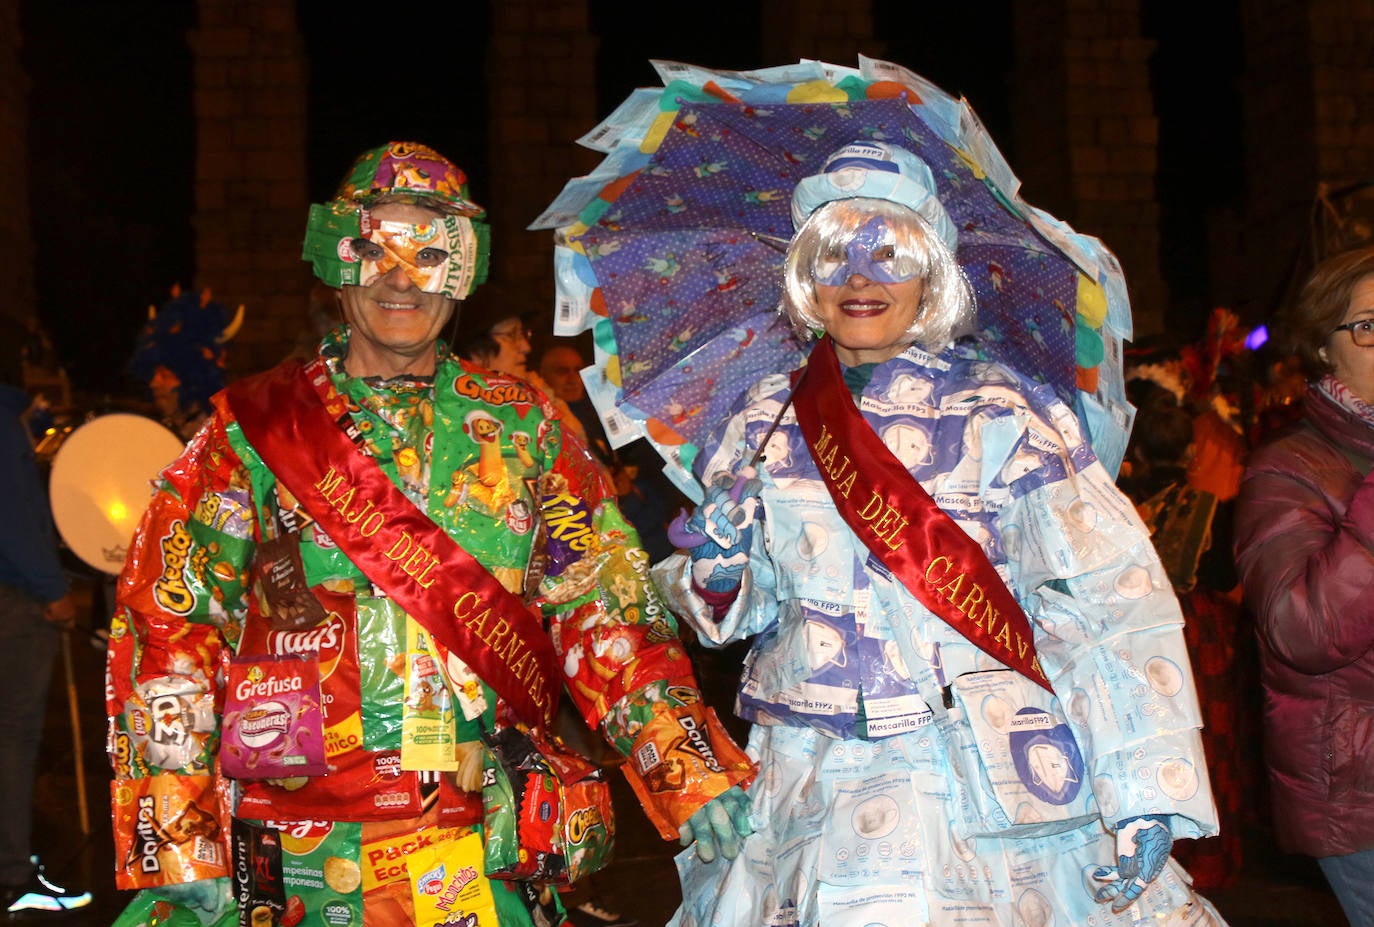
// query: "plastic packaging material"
[[168, 829], [548, 815], [272, 725]]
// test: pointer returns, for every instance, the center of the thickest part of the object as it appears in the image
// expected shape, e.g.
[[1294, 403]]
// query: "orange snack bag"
[[167, 830], [681, 760]]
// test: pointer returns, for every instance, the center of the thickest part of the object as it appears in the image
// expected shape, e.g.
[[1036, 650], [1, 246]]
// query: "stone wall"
[[542, 78], [250, 104], [1085, 138], [20, 301], [821, 29], [1308, 92], [1343, 89], [1086, 123]]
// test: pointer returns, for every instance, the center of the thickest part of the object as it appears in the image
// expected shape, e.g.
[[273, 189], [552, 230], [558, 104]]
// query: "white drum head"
[[102, 479]]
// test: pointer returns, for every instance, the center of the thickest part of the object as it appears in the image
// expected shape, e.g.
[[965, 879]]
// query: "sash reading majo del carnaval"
[[398, 546]]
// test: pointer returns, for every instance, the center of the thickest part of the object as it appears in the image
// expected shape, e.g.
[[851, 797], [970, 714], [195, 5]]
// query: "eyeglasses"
[[1361, 332], [526, 333]]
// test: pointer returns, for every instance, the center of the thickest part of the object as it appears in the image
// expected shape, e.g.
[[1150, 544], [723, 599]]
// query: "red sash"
[[902, 526], [299, 433]]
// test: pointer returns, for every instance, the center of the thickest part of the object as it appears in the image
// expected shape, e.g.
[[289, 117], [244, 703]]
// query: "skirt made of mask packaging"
[[858, 833]]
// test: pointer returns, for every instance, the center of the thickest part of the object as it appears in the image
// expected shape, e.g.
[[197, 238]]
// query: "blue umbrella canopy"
[[672, 251]]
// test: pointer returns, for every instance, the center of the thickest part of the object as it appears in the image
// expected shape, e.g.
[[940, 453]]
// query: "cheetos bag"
[[547, 810]]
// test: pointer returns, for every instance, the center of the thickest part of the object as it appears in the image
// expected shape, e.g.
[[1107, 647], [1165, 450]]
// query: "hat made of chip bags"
[[409, 171], [876, 171], [405, 172]]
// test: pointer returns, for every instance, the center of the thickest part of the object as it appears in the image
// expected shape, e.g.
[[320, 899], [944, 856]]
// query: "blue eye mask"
[[871, 253]]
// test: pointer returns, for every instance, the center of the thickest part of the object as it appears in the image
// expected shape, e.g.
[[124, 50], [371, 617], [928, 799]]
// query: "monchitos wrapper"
[[446, 883], [386, 853]]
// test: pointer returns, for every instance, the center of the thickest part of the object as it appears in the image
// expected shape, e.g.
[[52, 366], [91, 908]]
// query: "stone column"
[[821, 29], [1343, 89], [21, 298], [1087, 132], [542, 78], [1308, 120], [250, 186]]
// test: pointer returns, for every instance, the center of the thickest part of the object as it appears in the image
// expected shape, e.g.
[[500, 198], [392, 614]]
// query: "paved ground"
[[1274, 890]]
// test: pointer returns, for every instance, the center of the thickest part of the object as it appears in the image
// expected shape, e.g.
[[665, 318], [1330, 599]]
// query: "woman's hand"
[[1142, 848], [718, 534], [719, 826]]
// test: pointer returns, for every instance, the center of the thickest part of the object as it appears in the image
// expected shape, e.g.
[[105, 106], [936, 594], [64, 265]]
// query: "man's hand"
[[719, 826], [1142, 849], [718, 534], [61, 613], [208, 898], [470, 754]]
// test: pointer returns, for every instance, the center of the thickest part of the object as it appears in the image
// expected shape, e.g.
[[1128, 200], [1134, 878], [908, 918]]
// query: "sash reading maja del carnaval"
[[955, 581]]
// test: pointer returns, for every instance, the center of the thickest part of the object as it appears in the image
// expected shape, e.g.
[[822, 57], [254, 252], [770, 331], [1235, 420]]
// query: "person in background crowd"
[[500, 343], [180, 357], [333, 611], [1221, 399], [647, 497], [1304, 546], [1191, 530], [971, 700], [561, 368], [36, 606]]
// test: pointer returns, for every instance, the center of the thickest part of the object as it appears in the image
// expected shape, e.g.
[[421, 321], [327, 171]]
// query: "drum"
[[103, 476]]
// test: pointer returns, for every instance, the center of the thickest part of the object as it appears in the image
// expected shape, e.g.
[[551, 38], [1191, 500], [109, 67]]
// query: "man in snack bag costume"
[[365, 578]]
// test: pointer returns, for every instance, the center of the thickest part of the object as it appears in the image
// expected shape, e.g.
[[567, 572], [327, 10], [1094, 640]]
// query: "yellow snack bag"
[[429, 731], [447, 885]]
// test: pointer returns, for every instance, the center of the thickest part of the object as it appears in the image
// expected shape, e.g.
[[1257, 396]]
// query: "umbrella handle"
[[74, 708], [796, 381], [758, 454]]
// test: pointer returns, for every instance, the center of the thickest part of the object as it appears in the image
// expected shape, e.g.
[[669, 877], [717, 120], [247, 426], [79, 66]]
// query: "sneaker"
[[40, 895], [592, 914]]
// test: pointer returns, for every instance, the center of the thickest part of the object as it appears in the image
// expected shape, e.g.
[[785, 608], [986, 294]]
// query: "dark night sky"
[[111, 132]]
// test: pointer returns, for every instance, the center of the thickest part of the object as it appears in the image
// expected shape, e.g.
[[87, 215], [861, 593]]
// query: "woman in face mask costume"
[[955, 613]]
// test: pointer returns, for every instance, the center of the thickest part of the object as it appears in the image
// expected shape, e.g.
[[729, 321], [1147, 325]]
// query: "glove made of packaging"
[[719, 826], [718, 534], [1142, 849]]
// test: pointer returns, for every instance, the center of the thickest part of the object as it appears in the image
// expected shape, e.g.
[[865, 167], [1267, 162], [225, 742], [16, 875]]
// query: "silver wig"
[[947, 308]]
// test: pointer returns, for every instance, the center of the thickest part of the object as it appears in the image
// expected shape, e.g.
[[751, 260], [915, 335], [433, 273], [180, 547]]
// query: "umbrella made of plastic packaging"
[[671, 251]]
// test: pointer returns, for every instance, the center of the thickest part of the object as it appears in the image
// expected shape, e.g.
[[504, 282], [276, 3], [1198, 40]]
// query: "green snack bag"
[[322, 873]]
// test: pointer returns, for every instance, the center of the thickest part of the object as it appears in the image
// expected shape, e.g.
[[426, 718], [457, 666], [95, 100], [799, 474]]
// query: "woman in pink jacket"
[[1305, 549]]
